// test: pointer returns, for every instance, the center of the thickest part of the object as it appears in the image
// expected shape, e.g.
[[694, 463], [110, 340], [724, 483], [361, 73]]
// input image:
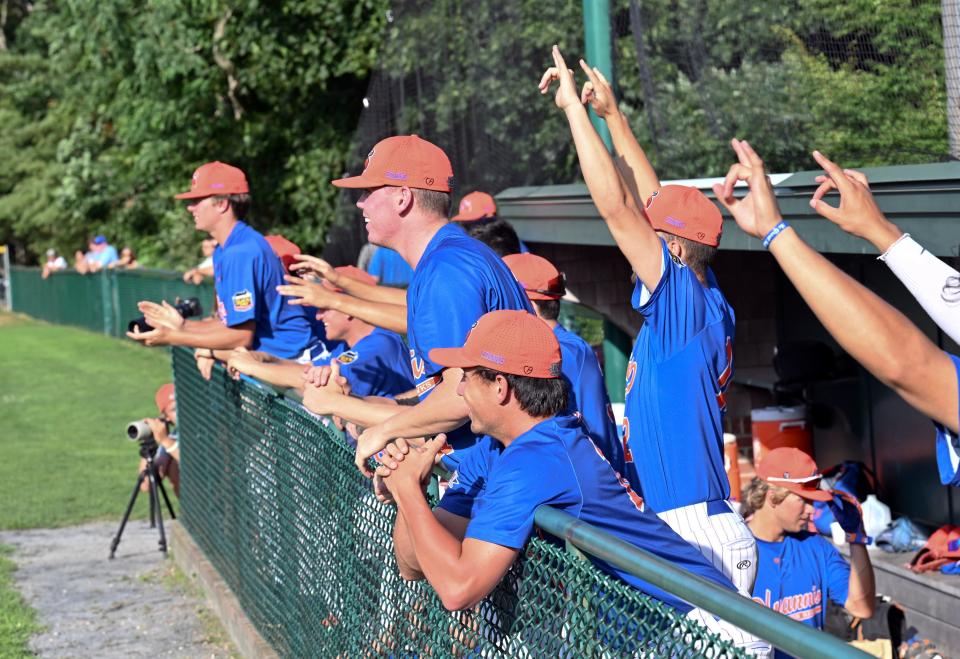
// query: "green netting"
[[270, 494], [104, 301]]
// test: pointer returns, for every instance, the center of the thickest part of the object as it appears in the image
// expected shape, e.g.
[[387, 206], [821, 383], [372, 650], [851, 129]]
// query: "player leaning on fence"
[[250, 312], [682, 359], [531, 454]]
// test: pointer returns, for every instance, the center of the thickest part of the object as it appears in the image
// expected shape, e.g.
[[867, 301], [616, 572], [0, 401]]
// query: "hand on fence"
[[305, 293], [241, 361], [205, 362], [415, 468], [161, 315], [858, 213], [311, 264], [323, 399], [597, 92], [567, 95], [756, 213]]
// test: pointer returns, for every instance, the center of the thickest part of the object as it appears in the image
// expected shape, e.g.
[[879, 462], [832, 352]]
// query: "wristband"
[[774, 232]]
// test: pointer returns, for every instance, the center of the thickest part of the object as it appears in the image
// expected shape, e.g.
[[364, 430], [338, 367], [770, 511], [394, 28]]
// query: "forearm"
[[925, 276], [372, 292], [871, 331], [862, 590], [210, 336], [364, 412], [442, 411], [392, 317], [283, 374], [404, 552], [631, 160]]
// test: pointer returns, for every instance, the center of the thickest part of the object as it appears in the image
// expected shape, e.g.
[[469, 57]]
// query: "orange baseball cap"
[[539, 278], [283, 248], [476, 206], [216, 178], [353, 272], [791, 468], [686, 212], [507, 341], [164, 398], [403, 160]]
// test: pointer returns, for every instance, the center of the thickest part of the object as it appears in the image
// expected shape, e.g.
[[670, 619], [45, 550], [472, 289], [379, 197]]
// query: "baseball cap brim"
[[472, 216], [453, 358], [803, 490], [194, 194], [357, 182]]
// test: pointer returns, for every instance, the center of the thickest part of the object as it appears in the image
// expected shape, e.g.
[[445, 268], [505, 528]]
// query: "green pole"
[[616, 353], [599, 49]]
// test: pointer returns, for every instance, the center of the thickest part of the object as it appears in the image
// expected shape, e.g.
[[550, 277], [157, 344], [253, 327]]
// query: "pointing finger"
[[832, 170]]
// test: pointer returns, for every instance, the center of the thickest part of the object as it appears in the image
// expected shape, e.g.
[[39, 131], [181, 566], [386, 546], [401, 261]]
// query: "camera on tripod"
[[187, 308], [140, 431]]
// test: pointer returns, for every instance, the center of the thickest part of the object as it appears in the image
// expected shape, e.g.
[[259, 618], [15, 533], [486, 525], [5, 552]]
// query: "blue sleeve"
[[676, 310], [454, 302], [375, 267], [594, 404], [237, 287], [948, 444], [837, 572], [468, 482]]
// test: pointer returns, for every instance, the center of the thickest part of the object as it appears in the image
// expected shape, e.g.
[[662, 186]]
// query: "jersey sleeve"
[[593, 403], [676, 310], [468, 482], [837, 573], [237, 287], [453, 303], [948, 445]]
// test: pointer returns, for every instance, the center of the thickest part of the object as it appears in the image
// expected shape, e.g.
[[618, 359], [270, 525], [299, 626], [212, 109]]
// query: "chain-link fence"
[[103, 302]]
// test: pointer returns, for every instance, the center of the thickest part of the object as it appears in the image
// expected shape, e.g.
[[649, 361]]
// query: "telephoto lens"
[[188, 308], [139, 431]]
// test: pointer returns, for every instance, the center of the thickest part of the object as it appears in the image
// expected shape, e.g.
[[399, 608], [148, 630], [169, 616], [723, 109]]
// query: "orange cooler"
[[773, 427], [732, 464]]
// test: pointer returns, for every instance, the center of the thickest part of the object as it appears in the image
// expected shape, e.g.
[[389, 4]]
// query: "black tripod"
[[152, 475]]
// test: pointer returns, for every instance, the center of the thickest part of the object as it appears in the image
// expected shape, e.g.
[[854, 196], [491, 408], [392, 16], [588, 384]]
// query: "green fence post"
[[616, 352], [599, 49]]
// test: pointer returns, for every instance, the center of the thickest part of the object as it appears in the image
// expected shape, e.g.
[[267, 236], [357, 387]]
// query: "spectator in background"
[[205, 267], [799, 571], [478, 217], [389, 268], [127, 260], [53, 263], [101, 255]]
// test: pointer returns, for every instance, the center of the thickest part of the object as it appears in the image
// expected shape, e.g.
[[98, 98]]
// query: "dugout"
[[855, 417]]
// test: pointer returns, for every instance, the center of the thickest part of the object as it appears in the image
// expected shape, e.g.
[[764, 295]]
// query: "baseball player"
[[477, 215], [374, 360], [682, 359], [799, 571], [250, 312], [587, 393], [531, 454], [407, 183], [878, 336]]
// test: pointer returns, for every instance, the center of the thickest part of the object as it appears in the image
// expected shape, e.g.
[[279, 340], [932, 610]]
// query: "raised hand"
[[306, 264], [858, 213], [757, 212], [846, 511], [567, 91], [305, 293], [597, 91], [161, 315]]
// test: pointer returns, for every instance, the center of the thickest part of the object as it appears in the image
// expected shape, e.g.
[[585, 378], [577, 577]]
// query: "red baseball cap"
[[216, 178], [283, 248], [164, 398], [539, 278], [794, 470], [507, 341], [686, 212], [353, 272], [476, 206], [403, 160]]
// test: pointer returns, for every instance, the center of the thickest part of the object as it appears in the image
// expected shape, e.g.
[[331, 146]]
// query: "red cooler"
[[732, 464], [773, 427]]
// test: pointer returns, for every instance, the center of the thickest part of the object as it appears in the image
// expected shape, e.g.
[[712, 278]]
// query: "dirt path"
[[136, 605]]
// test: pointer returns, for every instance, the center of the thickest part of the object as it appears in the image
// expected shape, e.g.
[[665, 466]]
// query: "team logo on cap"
[[242, 301], [366, 162], [465, 205], [194, 180], [348, 357], [428, 180]]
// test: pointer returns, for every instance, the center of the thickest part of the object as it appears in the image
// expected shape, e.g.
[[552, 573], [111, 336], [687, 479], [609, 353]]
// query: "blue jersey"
[[948, 445], [457, 280], [677, 377], [556, 464], [588, 394], [798, 575], [247, 273], [377, 364], [389, 268]]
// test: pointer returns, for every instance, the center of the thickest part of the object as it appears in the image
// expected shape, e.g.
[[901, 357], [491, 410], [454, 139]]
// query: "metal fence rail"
[[102, 302], [270, 494]]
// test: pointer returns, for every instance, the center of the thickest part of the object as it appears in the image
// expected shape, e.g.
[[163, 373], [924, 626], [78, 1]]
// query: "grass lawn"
[[17, 621], [66, 396]]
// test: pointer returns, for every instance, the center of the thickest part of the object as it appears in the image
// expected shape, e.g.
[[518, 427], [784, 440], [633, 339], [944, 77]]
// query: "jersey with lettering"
[[555, 463], [457, 280], [588, 394], [798, 575], [376, 365], [247, 273], [948, 444], [677, 377]]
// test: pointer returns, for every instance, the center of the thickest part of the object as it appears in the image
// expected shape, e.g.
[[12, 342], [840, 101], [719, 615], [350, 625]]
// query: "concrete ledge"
[[194, 564]]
